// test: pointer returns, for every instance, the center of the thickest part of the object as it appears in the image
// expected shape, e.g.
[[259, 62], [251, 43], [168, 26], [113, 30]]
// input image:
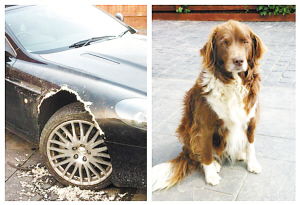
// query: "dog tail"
[[166, 175]]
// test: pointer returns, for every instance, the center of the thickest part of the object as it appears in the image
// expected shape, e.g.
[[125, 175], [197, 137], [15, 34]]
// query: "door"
[[20, 97]]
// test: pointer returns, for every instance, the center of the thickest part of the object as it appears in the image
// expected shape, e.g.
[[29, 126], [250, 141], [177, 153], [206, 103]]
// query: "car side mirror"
[[119, 16]]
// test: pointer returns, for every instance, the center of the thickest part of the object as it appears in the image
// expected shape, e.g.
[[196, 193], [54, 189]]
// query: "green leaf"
[[179, 10], [260, 7], [284, 10], [187, 10]]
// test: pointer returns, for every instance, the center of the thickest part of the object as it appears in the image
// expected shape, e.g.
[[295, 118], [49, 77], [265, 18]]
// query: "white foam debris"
[[86, 104], [38, 183], [122, 195], [71, 193]]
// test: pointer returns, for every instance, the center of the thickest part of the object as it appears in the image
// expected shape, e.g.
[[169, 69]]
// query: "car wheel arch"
[[48, 106]]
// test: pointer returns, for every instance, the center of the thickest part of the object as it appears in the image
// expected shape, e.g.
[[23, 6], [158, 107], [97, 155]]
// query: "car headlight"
[[133, 112]]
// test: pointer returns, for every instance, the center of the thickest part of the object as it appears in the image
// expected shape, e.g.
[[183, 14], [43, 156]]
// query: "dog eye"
[[225, 42], [245, 41]]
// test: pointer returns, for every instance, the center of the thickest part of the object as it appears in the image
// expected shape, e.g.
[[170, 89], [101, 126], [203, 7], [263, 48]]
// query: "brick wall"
[[134, 15]]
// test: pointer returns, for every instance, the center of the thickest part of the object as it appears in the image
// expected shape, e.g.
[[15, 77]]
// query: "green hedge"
[[264, 10]]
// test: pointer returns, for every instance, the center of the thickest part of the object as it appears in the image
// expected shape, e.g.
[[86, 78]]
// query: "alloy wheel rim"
[[77, 153]]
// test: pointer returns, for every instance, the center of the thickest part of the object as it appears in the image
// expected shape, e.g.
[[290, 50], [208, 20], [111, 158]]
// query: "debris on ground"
[[38, 184]]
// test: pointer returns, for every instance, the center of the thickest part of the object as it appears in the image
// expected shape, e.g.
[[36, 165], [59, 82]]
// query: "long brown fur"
[[201, 132]]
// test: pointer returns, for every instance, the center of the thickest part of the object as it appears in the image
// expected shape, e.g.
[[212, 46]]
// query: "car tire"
[[74, 150]]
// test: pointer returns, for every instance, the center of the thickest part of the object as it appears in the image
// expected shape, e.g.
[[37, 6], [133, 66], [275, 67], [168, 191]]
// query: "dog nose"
[[238, 61]]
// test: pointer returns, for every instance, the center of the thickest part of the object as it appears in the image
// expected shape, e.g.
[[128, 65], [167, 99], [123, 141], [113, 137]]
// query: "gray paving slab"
[[170, 149], [232, 181], [201, 194], [176, 65], [281, 148], [13, 190], [275, 183], [17, 152], [277, 122], [167, 127], [270, 99]]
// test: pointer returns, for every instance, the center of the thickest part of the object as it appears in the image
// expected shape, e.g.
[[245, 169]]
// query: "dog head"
[[232, 47]]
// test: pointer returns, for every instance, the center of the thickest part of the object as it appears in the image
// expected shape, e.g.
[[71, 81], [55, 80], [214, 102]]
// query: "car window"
[[40, 28]]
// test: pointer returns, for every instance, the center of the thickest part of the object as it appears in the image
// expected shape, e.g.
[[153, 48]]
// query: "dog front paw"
[[213, 179], [254, 166], [217, 166]]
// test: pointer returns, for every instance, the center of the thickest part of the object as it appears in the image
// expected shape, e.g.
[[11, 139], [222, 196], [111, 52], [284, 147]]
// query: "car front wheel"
[[74, 149]]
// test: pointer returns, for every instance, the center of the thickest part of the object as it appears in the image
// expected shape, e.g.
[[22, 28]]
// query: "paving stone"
[[167, 128], [184, 191], [277, 97], [272, 79], [281, 148], [202, 194], [172, 195], [35, 159], [174, 89], [275, 183], [165, 151], [193, 180], [231, 182], [289, 74], [13, 189], [17, 152], [162, 115], [277, 122]]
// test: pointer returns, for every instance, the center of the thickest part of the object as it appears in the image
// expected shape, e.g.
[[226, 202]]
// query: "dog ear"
[[208, 52], [258, 48]]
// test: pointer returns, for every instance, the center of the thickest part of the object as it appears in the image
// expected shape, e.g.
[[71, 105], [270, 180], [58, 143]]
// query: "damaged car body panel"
[[99, 76]]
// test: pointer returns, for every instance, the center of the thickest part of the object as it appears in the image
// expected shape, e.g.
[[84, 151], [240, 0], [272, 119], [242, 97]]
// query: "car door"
[[20, 97]]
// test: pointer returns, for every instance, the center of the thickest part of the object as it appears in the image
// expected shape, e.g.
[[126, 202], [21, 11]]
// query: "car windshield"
[[48, 28]]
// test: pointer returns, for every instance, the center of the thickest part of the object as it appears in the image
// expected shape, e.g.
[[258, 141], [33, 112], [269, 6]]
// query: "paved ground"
[[19, 185], [176, 64]]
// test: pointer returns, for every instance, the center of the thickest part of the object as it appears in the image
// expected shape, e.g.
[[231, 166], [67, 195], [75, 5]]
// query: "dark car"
[[76, 86]]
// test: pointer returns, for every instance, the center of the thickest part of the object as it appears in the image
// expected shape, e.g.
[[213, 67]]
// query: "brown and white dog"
[[220, 110]]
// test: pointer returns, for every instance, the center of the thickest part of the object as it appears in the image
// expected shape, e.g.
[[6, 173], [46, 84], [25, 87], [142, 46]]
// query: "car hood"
[[121, 61]]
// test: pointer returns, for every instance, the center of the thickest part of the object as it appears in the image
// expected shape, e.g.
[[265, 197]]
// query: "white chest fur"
[[227, 101]]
